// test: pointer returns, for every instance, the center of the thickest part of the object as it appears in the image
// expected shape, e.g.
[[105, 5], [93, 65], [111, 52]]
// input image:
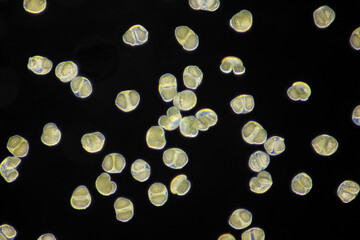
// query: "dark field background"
[[283, 46]]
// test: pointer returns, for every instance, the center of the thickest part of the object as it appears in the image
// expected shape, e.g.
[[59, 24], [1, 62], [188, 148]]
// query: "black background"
[[283, 46]]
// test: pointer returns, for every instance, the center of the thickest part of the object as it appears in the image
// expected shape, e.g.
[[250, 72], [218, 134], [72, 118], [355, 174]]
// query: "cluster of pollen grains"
[[232, 64], [39, 65], [124, 209], [187, 38], [136, 35], [7, 232]]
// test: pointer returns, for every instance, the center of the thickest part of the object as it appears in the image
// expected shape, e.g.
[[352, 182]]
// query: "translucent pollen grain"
[[185, 100], [93, 142], [254, 233], [325, 145], [171, 120], [155, 138], [241, 21], [242, 104], [253, 133], [51, 135], [7, 232], [104, 185], [127, 100], [18, 146], [356, 115], [34, 6], [299, 91], [348, 190], [355, 39], [261, 183], [80, 198], [81, 87], [8, 169], [124, 209], [226, 236], [167, 87], [66, 71], [192, 77], [113, 163], [39, 65], [301, 184], [180, 185], [187, 38], [205, 5], [140, 170], [158, 194], [47, 236], [136, 35], [206, 118], [323, 16], [240, 218], [232, 64], [259, 161], [274, 145], [189, 126], [175, 158]]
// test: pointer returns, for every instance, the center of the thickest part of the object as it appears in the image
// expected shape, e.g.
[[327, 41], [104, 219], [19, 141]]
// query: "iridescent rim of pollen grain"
[[34, 6]]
